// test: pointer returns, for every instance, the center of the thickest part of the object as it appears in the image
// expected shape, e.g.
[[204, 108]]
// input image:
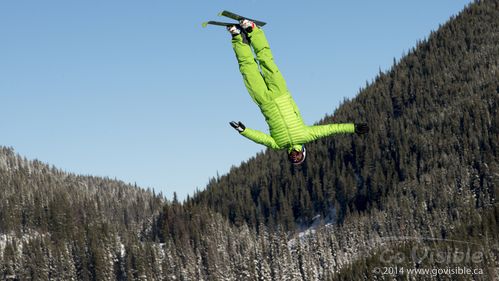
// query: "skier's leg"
[[248, 67], [273, 77]]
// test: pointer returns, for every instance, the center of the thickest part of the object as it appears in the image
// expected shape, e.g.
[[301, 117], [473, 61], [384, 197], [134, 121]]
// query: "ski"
[[219, 23], [237, 17]]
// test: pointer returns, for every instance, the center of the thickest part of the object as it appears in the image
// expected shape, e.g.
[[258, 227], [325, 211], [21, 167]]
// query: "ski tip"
[[221, 13], [204, 24]]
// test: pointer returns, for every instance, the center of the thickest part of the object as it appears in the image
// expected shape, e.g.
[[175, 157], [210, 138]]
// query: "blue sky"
[[139, 91]]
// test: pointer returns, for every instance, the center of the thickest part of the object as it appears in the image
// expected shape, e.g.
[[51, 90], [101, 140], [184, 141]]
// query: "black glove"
[[238, 126], [361, 129]]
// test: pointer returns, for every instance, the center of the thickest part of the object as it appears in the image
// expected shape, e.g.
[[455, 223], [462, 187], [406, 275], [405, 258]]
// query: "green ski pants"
[[264, 82]]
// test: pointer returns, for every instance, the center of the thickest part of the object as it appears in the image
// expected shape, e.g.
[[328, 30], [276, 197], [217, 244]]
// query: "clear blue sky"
[[138, 91]]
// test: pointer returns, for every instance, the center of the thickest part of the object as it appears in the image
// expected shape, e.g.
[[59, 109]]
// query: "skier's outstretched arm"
[[320, 131], [255, 135]]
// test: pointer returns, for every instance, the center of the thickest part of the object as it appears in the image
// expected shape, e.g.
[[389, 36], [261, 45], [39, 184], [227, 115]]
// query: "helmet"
[[297, 156]]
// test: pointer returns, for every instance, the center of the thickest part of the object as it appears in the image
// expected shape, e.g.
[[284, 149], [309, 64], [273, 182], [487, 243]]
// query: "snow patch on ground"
[[311, 228], [13, 238], [3, 243], [122, 250]]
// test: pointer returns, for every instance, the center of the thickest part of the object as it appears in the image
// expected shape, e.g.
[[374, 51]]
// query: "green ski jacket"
[[268, 89]]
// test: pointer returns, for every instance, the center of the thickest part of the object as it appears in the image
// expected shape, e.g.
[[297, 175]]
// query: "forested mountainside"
[[418, 192], [56, 225], [42, 199]]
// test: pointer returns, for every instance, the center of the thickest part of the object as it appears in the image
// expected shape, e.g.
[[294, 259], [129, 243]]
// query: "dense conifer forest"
[[418, 192]]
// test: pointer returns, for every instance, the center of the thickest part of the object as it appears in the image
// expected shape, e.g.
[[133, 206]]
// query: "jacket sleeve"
[[260, 138], [320, 131]]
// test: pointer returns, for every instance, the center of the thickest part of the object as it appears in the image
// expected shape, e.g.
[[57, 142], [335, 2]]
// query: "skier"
[[268, 90]]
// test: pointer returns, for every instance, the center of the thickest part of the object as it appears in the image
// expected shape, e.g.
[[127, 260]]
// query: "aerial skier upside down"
[[268, 90]]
